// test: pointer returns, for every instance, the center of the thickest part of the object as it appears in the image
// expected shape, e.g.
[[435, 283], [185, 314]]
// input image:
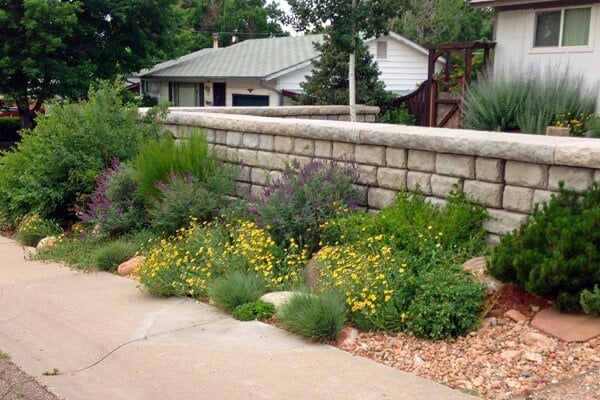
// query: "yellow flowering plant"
[[33, 228], [575, 123], [186, 262]]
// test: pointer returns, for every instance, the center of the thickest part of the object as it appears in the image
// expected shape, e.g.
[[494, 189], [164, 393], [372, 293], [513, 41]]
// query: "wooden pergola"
[[426, 100]]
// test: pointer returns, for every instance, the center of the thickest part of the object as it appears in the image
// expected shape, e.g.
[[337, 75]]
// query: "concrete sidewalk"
[[109, 340]]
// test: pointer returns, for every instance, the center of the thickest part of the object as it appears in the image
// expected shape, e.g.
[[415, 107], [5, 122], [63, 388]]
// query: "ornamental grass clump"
[[318, 316], [234, 289], [305, 197], [110, 255], [556, 252], [159, 160]]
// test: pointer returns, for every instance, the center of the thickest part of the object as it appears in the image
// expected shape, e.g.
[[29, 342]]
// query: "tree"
[[437, 21], [245, 19], [328, 83], [347, 22], [57, 48]]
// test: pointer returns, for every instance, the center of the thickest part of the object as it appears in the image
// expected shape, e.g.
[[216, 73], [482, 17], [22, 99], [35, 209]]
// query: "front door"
[[219, 90]]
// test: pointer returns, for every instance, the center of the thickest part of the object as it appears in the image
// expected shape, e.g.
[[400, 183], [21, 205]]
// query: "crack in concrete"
[[135, 341]]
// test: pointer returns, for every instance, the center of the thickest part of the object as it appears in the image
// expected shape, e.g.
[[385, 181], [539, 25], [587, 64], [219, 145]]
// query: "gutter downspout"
[[278, 92]]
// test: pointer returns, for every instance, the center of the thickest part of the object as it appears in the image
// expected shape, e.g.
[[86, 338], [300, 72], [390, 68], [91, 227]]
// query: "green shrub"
[[9, 129], [590, 301], [251, 311], [158, 160], [318, 316], [411, 223], [63, 156], [400, 115], [557, 250], [185, 196], [446, 302], [235, 289], [113, 208], [296, 205], [110, 255], [33, 228], [528, 100], [411, 250]]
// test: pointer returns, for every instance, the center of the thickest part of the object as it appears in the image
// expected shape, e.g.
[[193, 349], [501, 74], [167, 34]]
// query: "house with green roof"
[[268, 72]]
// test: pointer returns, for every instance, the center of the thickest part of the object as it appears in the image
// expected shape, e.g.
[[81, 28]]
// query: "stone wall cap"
[[552, 150], [279, 111]]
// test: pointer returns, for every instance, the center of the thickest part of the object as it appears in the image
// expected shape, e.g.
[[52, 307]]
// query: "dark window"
[[250, 100], [219, 94]]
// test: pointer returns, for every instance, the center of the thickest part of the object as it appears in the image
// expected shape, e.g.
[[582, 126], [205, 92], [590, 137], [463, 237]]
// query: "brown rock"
[[347, 337], [46, 243], [567, 327], [126, 268], [515, 316], [509, 354], [538, 342], [476, 266]]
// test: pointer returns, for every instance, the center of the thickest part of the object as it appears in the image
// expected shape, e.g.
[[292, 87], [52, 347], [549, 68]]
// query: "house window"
[[566, 27], [381, 50]]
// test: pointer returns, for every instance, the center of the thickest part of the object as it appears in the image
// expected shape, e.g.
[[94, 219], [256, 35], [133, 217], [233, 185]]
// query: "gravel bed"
[[497, 362]]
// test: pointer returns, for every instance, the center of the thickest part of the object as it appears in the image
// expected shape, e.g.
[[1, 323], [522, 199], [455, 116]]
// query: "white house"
[[263, 72], [547, 33]]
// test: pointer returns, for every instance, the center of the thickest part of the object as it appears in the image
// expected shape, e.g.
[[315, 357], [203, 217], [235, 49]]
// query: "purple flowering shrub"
[[113, 207], [297, 205], [186, 196]]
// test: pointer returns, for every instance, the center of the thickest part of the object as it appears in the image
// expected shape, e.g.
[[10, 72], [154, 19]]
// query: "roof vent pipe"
[[215, 40]]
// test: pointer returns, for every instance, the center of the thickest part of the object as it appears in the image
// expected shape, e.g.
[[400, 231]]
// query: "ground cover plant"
[[557, 251], [529, 100], [60, 160], [254, 310], [400, 270]]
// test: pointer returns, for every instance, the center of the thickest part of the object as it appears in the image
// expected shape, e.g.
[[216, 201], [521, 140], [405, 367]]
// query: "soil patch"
[[513, 297]]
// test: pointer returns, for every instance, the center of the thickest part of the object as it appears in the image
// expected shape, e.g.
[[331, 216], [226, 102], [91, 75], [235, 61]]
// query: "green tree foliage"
[[328, 83], [246, 19], [59, 161], [437, 21], [57, 48], [346, 25]]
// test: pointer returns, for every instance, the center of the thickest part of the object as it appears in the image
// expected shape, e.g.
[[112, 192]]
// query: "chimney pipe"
[[215, 40]]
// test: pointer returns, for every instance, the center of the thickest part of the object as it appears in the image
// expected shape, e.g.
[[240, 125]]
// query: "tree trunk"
[[27, 114]]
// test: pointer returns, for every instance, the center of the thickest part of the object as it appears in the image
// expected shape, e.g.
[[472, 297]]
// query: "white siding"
[[404, 69], [292, 80], [514, 50], [232, 87]]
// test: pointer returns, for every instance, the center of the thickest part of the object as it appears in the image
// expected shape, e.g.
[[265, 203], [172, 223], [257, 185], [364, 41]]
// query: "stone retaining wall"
[[507, 172], [333, 113]]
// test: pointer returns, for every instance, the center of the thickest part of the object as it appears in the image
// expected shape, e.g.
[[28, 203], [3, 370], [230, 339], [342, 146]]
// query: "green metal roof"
[[253, 58]]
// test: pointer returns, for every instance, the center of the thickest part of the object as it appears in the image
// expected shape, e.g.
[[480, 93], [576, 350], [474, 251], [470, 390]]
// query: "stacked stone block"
[[508, 173]]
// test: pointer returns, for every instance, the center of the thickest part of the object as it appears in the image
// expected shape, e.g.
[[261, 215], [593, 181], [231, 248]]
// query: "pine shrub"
[[557, 251]]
